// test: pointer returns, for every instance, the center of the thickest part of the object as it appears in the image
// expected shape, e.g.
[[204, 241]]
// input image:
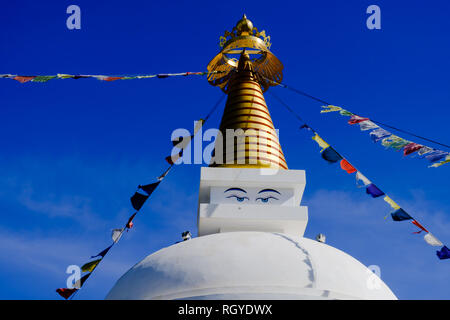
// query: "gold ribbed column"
[[246, 109]]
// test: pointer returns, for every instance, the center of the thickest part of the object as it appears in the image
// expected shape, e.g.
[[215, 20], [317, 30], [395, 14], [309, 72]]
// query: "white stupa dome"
[[249, 265]]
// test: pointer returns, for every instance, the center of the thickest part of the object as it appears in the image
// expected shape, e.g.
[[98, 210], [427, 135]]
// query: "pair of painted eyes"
[[241, 199]]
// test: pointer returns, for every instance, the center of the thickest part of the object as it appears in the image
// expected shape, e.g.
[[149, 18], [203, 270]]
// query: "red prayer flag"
[[23, 79], [66, 292], [356, 119], [411, 147], [345, 165], [419, 225], [130, 221], [111, 78]]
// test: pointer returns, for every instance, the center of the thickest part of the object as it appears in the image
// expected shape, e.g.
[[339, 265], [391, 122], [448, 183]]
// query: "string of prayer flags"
[[45, 78], [398, 214], [436, 157], [444, 253]]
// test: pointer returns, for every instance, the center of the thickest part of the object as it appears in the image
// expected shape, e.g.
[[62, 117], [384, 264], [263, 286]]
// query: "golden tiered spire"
[[249, 138]]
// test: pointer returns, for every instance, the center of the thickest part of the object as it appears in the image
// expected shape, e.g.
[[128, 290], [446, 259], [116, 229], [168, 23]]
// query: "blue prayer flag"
[[400, 215], [331, 155], [444, 253], [374, 191]]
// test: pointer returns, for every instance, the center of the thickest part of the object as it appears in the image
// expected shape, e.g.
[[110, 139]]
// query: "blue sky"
[[73, 151]]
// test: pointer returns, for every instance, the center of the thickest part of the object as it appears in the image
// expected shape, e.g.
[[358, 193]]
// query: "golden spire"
[[249, 138]]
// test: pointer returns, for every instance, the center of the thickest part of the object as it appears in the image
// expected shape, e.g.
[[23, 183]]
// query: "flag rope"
[[398, 214], [137, 201]]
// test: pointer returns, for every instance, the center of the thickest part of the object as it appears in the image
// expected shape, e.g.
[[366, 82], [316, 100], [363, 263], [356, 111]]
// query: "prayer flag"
[[391, 203], [436, 156], [305, 126], [164, 174], [162, 75], [424, 150], [103, 253], [66, 292], [367, 125], [374, 191], [345, 165], [331, 155], [23, 79], [330, 108], [43, 78], [400, 215], [64, 76], [394, 142], [411, 147], [379, 134], [361, 177], [432, 240], [111, 78], [90, 266], [320, 142], [438, 164], [444, 253], [356, 119], [116, 234], [416, 223], [345, 113], [138, 200], [149, 188], [129, 224]]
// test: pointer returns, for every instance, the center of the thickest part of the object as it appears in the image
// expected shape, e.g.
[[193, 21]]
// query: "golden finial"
[[248, 136], [268, 69]]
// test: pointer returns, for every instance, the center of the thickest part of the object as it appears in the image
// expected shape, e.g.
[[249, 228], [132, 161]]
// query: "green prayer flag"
[[90, 266], [43, 78], [344, 112]]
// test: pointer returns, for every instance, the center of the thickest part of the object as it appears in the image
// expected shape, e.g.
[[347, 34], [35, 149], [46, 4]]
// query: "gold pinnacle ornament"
[[255, 141], [244, 36]]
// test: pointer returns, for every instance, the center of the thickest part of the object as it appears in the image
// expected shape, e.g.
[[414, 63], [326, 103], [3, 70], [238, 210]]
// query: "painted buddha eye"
[[266, 199], [239, 199]]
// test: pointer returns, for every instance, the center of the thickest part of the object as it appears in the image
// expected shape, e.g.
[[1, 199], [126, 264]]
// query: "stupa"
[[251, 224]]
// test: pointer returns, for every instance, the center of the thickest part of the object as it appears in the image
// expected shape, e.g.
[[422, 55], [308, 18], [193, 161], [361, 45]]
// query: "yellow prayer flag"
[[330, 108], [64, 76], [90, 266], [391, 203], [438, 164], [320, 142]]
